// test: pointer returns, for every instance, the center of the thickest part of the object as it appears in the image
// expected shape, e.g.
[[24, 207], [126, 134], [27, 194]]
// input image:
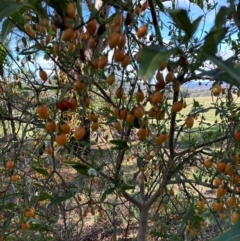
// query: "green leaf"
[[221, 17], [44, 196], [182, 21], [7, 27], [79, 8], [107, 192], [232, 70], [8, 8], [37, 7], [151, 59], [40, 170], [233, 234], [125, 187], [119, 145], [6, 224], [57, 200], [79, 167], [195, 24], [160, 5]]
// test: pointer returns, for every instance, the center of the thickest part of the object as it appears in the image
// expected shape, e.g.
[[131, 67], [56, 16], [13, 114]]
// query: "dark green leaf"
[[221, 17], [44, 196], [232, 234], [160, 5], [182, 21], [80, 168], [6, 224], [119, 145], [79, 8], [7, 27], [8, 206], [40, 170], [107, 192], [232, 70], [8, 8], [238, 9], [37, 7], [152, 57], [124, 187], [195, 24], [24, 41], [57, 200]]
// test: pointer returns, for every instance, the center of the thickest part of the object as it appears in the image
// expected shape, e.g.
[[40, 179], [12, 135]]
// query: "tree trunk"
[[142, 228]]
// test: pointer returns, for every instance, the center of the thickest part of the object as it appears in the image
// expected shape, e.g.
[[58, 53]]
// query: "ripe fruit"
[[94, 126], [71, 47], [163, 65], [139, 95], [114, 40], [157, 98], [10, 164], [117, 19], [163, 136], [189, 122], [92, 27], [79, 133], [43, 74], [118, 126], [137, 10], [177, 106], [218, 182], [87, 101], [142, 31], [144, 6], [67, 34], [221, 191], [111, 79], [49, 150], [169, 77], [200, 205], [119, 93], [42, 111], [92, 117], [217, 206], [102, 62], [73, 103], [235, 217], [30, 213], [237, 135], [126, 61], [130, 118], [61, 139], [70, 10], [51, 125], [118, 55], [123, 114], [229, 169], [138, 112], [26, 226], [91, 43], [221, 166], [232, 202], [208, 163], [160, 85], [15, 178], [63, 105], [64, 128], [122, 41], [216, 90], [142, 133], [78, 85]]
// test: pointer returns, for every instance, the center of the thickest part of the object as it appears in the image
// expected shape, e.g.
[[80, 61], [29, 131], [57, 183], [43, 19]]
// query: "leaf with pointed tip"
[[8, 8], [232, 70], [152, 57], [233, 234], [7, 27], [182, 21]]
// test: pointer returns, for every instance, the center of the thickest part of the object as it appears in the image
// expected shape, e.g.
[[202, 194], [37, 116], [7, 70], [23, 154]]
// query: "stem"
[[142, 228]]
